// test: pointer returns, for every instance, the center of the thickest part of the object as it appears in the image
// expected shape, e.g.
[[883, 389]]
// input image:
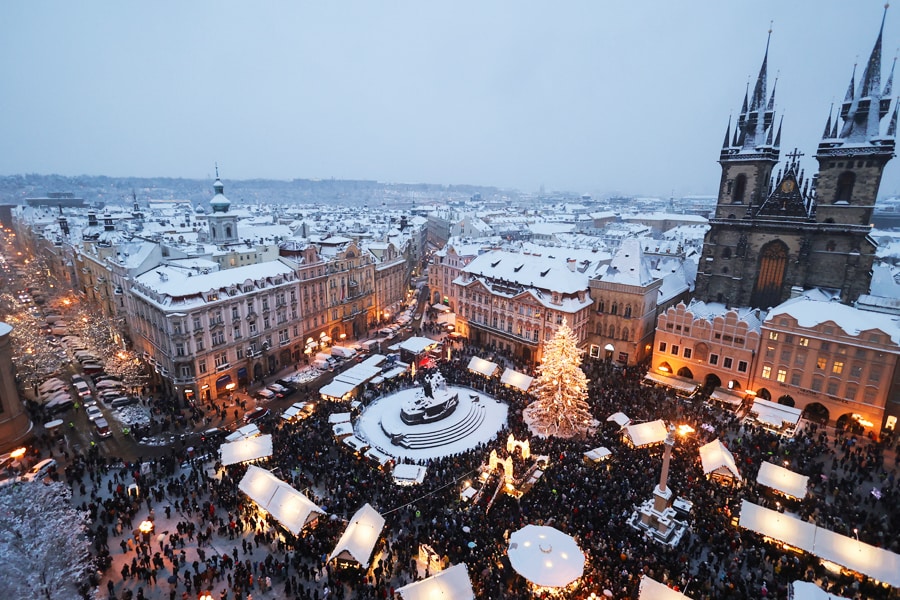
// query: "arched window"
[[740, 187], [844, 191], [628, 311], [612, 331], [615, 309], [770, 277], [228, 231], [212, 230], [602, 307], [625, 334]]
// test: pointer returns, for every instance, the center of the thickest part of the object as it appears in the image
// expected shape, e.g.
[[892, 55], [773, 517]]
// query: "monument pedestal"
[[658, 520]]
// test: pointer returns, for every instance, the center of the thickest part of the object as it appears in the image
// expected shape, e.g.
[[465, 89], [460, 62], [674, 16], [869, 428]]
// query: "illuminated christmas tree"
[[561, 408]]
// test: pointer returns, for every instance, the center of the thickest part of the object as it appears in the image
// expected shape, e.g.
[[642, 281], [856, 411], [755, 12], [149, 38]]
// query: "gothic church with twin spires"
[[777, 232]]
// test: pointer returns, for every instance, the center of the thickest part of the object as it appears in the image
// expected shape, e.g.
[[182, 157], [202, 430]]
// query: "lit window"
[[803, 341], [767, 372], [821, 362], [782, 375], [773, 335], [837, 368]]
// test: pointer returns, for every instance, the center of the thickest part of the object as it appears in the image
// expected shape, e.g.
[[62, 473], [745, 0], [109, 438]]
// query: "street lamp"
[[206, 596]]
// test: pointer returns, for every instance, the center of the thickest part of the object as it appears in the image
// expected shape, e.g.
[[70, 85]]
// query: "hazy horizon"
[[584, 97]]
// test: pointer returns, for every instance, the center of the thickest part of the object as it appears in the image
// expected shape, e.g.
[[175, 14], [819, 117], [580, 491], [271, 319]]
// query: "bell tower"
[[222, 223]]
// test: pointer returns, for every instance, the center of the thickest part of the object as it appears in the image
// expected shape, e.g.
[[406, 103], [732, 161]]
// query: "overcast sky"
[[593, 96]]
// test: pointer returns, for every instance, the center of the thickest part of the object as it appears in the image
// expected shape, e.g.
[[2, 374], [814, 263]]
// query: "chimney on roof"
[[571, 264]]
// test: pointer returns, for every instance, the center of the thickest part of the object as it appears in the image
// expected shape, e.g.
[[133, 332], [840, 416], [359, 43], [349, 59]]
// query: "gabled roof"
[[359, 539]]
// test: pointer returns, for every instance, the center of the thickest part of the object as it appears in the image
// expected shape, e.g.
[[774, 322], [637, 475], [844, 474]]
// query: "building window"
[[821, 363], [674, 349], [786, 355], [781, 376], [816, 384], [179, 349], [662, 346], [832, 388], [803, 341], [766, 372], [185, 371], [856, 371], [220, 359], [687, 352], [770, 352], [837, 368], [795, 378], [218, 338], [713, 359], [201, 365], [773, 335], [850, 393], [595, 351], [742, 366], [800, 359], [240, 353], [726, 364], [875, 374]]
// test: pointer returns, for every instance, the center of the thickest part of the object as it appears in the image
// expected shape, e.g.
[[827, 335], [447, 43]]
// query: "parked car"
[[280, 390], [266, 394], [256, 414], [122, 401], [287, 384], [94, 413], [82, 387]]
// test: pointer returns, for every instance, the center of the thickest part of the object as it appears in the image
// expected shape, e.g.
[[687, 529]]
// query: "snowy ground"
[[368, 426]]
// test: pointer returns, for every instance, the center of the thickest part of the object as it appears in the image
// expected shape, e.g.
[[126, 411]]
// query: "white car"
[[94, 413]]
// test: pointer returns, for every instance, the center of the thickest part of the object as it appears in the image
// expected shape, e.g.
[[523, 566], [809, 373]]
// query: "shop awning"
[[516, 379], [482, 366], [726, 397], [246, 449], [783, 480], [672, 381], [289, 507], [597, 454], [619, 418], [441, 307], [247, 431], [774, 414], [653, 590], [336, 390]]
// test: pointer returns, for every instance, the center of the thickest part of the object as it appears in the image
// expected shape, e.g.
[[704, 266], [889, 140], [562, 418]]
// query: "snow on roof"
[[289, 507], [645, 434], [619, 418], [811, 313], [360, 537], [628, 266], [516, 379], [173, 282], [653, 590], [417, 345], [715, 457], [246, 449], [451, 584], [407, 474], [482, 366], [804, 590], [542, 272]]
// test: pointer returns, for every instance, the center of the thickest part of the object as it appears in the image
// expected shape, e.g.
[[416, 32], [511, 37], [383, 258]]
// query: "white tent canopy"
[[672, 381], [360, 537], [877, 563], [339, 417], [619, 418], [441, 307], [246, 449], [598, 454], [291, 508], [450, 584], [774, 414], [405, 474], [782, 480], [340, 430], [337, 390], [247, 431], [804, 590], [417, 345], [646, 434], [654, 590], [483, 367], [545, 556], [516, 379], [717, 459]]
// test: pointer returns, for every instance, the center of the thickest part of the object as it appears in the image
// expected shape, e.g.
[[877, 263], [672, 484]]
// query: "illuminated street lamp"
[[206, 596]]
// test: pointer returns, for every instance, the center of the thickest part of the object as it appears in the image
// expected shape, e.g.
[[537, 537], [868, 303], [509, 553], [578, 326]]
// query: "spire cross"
[[795, 155], [217, 169]]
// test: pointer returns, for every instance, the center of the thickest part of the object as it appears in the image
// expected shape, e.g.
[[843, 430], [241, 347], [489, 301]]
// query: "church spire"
[[827, 131], [727, 134]]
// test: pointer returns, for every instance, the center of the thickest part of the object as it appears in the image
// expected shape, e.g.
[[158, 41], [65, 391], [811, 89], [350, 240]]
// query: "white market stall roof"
[[619, 418], [646, 434], [358, 374], [337, 389], [293, 411], [598, 454], [516, 379], [378, 456], [396, 371], [342, 430], [246, 449], [545, 556], [877, 563], [339, 417], [484, 367], [417, 345], [804, 590], [247, 431], [654, 590], [360, 537], [672, 381], [441, 307], [374, 360], [716, 458], [405, 474], [775, 414], [452, 583], [291, 508], [783, 480], [355, 443]]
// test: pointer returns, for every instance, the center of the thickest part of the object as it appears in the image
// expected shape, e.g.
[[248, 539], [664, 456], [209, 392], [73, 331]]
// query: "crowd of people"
[[209, 537]]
